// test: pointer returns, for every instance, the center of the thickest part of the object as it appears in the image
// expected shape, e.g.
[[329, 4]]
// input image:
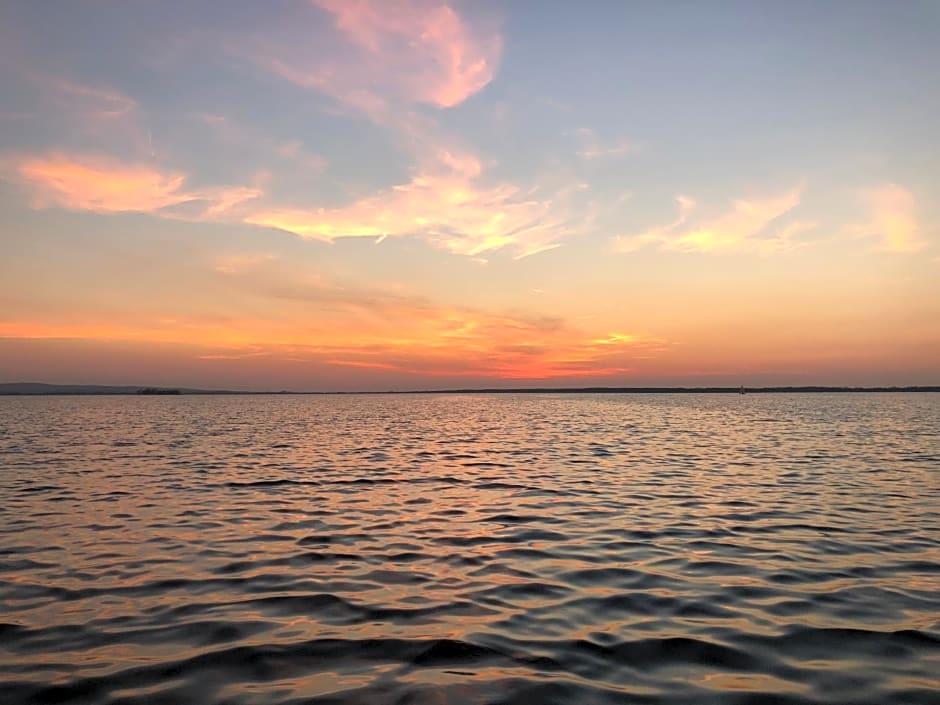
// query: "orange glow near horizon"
[[440, 342]]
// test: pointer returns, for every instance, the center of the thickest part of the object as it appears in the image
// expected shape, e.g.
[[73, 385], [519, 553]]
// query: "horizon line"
[[53, 389]]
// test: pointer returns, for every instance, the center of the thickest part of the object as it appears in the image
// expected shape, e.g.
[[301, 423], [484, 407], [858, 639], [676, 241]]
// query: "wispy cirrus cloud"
[[403, 51], [446, 202], [435, 55], [743, 227]]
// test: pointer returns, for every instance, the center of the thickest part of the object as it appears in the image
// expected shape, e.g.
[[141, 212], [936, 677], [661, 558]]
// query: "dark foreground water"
[[763, 549]]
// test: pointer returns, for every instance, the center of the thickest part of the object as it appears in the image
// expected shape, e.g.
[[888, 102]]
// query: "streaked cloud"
[[446, 205], [457, 348], [97, 102], [744, 227], [787, 237], [93, 111], [322, 321], [100, 184], [241, 262], [593, 147]]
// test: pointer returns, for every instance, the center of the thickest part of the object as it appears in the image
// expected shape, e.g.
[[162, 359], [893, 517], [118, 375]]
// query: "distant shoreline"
[[42, 389]]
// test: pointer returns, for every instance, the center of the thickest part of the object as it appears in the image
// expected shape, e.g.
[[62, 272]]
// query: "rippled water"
[[471, 549]]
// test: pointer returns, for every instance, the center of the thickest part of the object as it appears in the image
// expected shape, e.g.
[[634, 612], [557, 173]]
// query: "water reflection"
[[668, 549]]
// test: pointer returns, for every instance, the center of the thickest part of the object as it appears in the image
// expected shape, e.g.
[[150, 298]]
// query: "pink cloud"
[[100, 184], [444, 60], [894, 219], [409, 51]]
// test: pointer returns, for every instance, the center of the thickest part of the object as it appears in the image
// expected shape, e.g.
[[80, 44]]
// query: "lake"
[[524, 549]]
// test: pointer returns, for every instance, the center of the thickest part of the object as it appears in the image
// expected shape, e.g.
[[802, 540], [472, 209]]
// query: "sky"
[[427, 194]]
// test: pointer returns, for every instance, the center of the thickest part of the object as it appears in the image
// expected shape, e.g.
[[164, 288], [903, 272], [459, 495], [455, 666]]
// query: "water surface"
[[471, 549]]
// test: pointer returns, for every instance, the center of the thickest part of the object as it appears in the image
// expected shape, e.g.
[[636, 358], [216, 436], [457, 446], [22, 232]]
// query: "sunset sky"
[[367, 195]]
